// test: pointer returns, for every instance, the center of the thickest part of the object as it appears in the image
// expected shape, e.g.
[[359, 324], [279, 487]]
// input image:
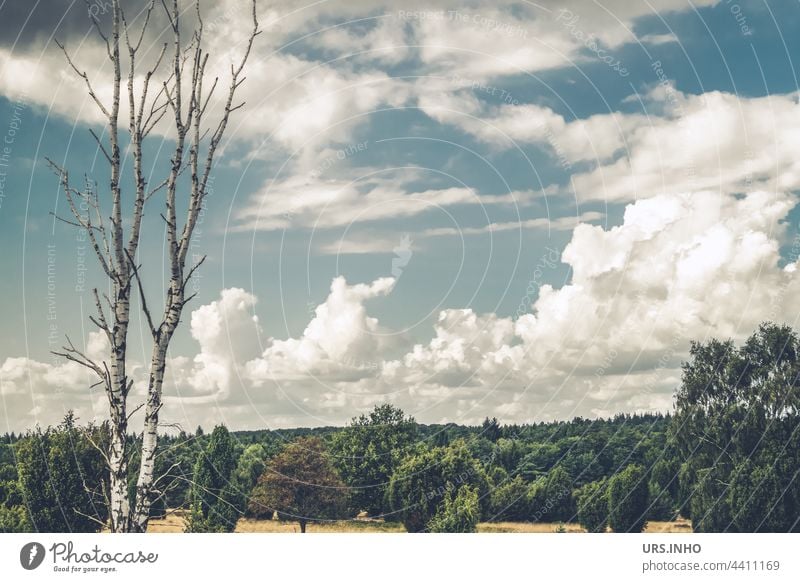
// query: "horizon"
[[518, 211], [206, 431]]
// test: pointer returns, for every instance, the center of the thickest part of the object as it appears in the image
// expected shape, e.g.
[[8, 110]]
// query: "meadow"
[[174, 523]]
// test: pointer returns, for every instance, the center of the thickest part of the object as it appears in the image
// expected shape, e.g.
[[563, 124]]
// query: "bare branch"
[[101, 314], [157, 188], [70, 222], [97, 27], [165, 473], [100, 450], [74, 355], [193, 269], [85, 77], [86, 515], [153, 330], [105, 261], [135, 410], [100, 145]]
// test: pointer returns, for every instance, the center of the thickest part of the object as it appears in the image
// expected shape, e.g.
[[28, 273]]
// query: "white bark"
[[186, 99], [188, 127]]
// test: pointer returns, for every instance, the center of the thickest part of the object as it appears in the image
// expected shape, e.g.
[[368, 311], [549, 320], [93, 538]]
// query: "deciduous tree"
[[301, 484], [367, 453], [737, 429], [417, 488]]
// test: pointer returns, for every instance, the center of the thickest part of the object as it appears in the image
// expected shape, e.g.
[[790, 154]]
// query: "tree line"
[[727, 459]]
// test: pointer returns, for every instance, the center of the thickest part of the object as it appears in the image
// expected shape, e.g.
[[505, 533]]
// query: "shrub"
[[628, 500], [509, 501], [14, 520], [458, 513], [550, 497], [592, 505]]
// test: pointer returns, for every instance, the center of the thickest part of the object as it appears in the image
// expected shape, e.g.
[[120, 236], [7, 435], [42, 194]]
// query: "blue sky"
[[557, 198]]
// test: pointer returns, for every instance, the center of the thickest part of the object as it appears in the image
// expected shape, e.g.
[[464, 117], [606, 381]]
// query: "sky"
[[511, 209]]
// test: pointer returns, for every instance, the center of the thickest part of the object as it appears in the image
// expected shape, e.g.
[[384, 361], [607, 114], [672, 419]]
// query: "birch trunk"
[[178, 246], [186, 99], [158, 365], [117, 388]]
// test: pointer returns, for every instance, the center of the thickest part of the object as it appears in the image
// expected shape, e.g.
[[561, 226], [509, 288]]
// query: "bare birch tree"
[[182, 100]]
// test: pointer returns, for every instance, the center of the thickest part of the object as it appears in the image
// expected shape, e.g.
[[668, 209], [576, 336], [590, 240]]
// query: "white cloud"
[[684, 143], [679, 268], [659, 39], [227, 332], [546, 224], [308, 201], [35, 392], [711, 141], [596, 138], [381, 242], [341, 339], [291, 101], [296, 100]]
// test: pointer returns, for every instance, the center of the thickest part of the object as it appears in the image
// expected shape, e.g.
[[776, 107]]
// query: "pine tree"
[[213, 499]]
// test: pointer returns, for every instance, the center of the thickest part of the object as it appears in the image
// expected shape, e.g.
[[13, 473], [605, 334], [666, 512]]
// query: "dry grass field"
[[174, 524], [677, 526], [522, 527]]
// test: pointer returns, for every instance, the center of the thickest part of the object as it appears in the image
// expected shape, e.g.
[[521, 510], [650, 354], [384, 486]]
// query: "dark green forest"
[[727, 458]]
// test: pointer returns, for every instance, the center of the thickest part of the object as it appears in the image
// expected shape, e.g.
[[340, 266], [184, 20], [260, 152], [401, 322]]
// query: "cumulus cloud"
[[38, 392], [680, 267], [227, 331], [341, 340]]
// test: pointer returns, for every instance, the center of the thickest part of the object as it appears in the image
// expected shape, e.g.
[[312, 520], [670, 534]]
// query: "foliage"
[[301, 484], [508, 453], [664, 491], [61, 477], [592, 505], [490, 429], [14, 519], [736, 432], [417, 489], [251, 465], [213, 504], [628, 500], [367, 453], [458, 513], [550, 497], [509, 501]]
